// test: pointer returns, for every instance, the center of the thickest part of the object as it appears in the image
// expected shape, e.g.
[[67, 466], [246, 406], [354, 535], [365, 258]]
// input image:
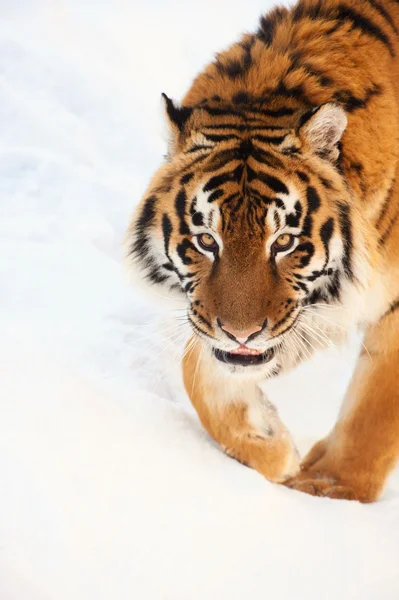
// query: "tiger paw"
[[323, 484], [276, 458]]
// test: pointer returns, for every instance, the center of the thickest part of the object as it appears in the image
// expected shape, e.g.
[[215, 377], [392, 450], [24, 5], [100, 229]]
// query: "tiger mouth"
[[244, 359]]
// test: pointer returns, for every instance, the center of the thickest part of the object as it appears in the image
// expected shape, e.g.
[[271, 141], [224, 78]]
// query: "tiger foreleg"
[[235, 412], [355, 460]]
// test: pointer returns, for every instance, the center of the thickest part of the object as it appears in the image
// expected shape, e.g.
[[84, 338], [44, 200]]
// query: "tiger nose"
[[241, 335]]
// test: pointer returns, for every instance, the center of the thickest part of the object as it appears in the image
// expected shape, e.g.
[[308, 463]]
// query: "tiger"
[[275, 218]]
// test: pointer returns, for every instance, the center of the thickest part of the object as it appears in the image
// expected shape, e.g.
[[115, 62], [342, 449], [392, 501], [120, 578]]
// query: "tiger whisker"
[[290, 346], [313, 328], [318, 334], [305, 335], [338, 325], [302, 341]]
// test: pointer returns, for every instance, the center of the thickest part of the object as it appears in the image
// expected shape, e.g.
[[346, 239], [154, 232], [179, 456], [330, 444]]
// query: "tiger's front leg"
[[354, 461], [235, 412]]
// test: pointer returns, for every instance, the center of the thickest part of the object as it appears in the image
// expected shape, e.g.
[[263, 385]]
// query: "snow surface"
[[110, 489]]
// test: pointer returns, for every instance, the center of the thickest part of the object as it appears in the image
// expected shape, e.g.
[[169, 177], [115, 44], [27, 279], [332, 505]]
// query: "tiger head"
[[249, 220]]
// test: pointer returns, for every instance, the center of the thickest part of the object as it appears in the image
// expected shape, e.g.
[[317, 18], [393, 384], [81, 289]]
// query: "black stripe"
[[229, 198], [156, 276], [302, 176], [315, 297], [346, 232], [198, 329], [197, 148], [279, 112], [352, 103], [180, 206], [257, 113], [216, 181], [215, 195], [266, 158], [328, 184], [307, 226], [284, 319], [167, 232], [268, 25], [190, 274], [186, 178], [384, 13], [219, 180], [342, 14], [315, 275], [182, 250], [394, 307], [244, 150], [364, 25], [326, 231], [277, 221], [219, 111], [267, 139], [297, 92], [298, 62], [313, 199], [168, 267], [308, 249], [237, 127], [313, 11], [190, 286], [274, 184], [334, 286], [267, 200], [222, 159], [385, 206], [223, 137], [279, 203], [388, 231], [201, 158], [238, 203], [147, 214], [233, 68], [302, 286], [204, 321], [143, 223], [241, 98], [293, 219]]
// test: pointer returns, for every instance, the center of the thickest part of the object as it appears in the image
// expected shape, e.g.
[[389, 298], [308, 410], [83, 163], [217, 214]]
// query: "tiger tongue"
[[245, 351]]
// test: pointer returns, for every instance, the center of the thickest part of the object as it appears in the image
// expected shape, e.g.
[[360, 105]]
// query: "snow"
[[110, 487]]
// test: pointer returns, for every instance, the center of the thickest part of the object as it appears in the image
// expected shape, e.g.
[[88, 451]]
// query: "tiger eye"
[[283, 242], [207, 242], [284, 239]]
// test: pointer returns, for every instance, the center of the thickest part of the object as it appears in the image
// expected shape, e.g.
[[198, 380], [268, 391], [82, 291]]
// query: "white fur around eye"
[[209, 210]]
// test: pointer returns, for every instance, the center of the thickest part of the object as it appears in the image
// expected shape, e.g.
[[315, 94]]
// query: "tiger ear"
[[323, 129], [177, 117]]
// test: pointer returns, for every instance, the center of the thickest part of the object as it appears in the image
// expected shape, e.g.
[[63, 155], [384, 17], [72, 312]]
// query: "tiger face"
[[250, 222]]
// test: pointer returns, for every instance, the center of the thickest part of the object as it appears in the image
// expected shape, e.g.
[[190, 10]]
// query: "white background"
[[110, 489]]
